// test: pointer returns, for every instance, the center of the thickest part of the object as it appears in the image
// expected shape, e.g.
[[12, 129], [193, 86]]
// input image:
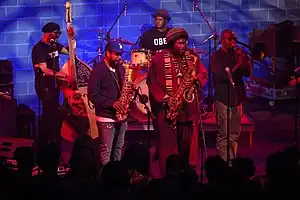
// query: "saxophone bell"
[[191, 59], [188, 95]]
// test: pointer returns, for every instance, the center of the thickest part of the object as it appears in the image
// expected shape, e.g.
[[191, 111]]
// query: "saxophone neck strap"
[[168, 72]]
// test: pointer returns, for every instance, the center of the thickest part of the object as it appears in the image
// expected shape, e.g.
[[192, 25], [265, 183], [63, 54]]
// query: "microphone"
[[143, 99], [125, 9], [52, 41], [297, 70], [207, 39], [227, 70]]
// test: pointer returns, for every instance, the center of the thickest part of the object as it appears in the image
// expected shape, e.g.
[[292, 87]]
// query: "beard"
[[182, 51], [115, 63], [179, 52]]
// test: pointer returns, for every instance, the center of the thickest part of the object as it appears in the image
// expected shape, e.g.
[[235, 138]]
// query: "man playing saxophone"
[[171, 80], [105, 88]]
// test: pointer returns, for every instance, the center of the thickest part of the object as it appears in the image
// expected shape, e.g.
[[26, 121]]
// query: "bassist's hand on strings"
[[62, 76], [71, 31]]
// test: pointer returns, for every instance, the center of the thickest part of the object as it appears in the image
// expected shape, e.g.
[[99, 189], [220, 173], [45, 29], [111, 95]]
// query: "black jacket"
[[103, 89], [237, 95]]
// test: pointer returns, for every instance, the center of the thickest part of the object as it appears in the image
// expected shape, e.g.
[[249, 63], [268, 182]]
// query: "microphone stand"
[[200, 124], [54, 88], [297, 87], [229, 87], [107, 36], [99, 49], [214, 37], [37, 137], [296, 113], [228, 125], [149, 116]]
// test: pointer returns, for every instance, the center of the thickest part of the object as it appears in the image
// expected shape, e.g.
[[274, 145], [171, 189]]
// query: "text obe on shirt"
[[160, 41]]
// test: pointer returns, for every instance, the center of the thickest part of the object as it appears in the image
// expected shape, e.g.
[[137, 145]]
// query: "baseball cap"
[[114, 46]]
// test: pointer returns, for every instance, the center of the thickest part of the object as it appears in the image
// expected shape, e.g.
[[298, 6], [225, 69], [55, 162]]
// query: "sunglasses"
[[56, 32]]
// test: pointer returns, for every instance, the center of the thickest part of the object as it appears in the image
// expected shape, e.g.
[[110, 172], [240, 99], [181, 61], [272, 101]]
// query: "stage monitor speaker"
[[8, 109], [6, 72], [7, 89], [8, 145]]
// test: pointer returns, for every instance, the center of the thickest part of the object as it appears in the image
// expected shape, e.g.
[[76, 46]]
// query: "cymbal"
[[124, 41]]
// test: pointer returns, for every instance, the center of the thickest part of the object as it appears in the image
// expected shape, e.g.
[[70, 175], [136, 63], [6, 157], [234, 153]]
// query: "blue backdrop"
[[21, 22]]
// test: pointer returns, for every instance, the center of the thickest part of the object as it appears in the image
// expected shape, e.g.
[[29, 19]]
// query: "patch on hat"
[[114, 46]]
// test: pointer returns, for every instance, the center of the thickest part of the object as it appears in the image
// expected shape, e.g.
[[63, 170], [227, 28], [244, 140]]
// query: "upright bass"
[[75, 92]]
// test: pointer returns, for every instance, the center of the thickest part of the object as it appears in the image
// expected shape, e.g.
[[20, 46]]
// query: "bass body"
[[77, 100], [75, 91]]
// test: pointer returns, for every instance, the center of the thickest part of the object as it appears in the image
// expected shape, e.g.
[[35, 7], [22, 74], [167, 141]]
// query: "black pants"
[[173, 141], [51, 120], [235, 116]]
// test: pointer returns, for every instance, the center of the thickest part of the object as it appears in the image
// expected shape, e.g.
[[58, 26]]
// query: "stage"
[[265, 130], [209, 125]]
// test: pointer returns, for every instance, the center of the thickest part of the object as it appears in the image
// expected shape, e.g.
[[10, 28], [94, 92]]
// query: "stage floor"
[[209, 125], [272, 128]]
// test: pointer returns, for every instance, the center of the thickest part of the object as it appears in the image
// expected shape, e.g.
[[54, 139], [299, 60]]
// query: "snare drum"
[[140, 58]]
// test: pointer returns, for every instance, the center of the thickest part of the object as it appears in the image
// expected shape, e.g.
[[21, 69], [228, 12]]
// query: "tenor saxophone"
[[183, 93], [127, 93], [189, 93]]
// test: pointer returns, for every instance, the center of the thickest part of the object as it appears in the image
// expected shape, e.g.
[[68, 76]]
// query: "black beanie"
[[176, 33], [50, 27]]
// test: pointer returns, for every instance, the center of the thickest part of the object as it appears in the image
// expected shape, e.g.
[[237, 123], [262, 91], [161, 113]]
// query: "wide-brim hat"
[[162, 13]]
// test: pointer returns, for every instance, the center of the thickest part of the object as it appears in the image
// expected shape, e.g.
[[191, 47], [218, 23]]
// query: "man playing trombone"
[[229, 65]]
